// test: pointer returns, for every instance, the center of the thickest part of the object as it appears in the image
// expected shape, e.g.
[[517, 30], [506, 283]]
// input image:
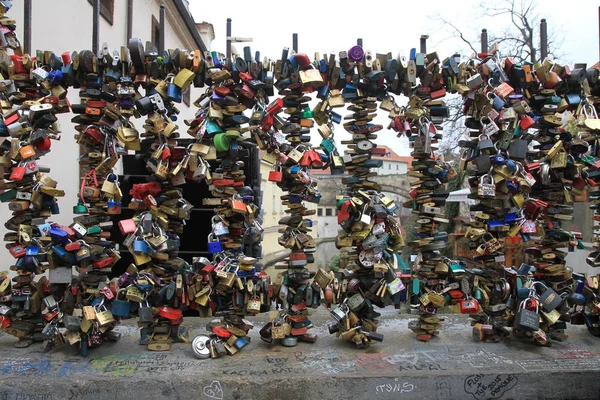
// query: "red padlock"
[[17, 173], [73, 246], [302, 60], [469, 306], [43, 145], [526, 122], [208, 268], [169, 313], [17, 251], [166, 154], [305, 161], [531, 304], [275, 176], [222, 90], [105, 262]]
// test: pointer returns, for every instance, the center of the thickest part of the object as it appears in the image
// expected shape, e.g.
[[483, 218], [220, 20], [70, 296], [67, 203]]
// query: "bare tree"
[[518, 39]]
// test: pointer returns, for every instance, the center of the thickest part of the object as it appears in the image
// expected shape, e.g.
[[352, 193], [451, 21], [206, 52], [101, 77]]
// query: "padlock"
[[469, 306], [104, 317], [120, 305], [174, 92], [549, 298], [527, 319], [214, 245], [253, 305], [26, 151], [491, 243], [145, 312], [486, 189], [276, 175]]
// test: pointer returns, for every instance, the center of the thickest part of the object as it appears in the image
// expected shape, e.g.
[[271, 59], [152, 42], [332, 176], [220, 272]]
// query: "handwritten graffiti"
[[395, 387], [490, 386]]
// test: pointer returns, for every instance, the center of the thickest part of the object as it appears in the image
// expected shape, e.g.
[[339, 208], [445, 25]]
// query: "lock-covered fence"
[[531, 150]]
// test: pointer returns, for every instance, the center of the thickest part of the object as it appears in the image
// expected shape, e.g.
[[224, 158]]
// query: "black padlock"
[[486, 145], [484, 163], [549, 298], [518, 149]]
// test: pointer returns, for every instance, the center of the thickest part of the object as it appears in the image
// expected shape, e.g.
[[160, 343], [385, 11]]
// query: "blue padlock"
[[511, 165], [174, 93], [391, 68], [59, 236], [140, 246], [32, 250], [499, 159], [316, 198], [510, 218], [512, 186], [295, 199], [214, 246], [413, 54], [524, 269], [54, 207], [322, 66], [64, 255], [121, 306], [323, 92], [335, 117], [523, 293], [55, 77], [292, 62], [240, 342], [580, 286]]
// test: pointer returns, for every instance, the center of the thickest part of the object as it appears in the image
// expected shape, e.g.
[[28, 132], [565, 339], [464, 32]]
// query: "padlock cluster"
[[230, 284], [226, 336], [287, 146], [587, 287], [420, 120], [31, 97], [528, 150]]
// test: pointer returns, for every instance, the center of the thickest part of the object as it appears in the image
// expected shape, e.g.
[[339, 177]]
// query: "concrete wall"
[[67, 26]]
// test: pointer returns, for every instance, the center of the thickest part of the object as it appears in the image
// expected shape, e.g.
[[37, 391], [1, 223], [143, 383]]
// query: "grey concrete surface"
[[450, 366]]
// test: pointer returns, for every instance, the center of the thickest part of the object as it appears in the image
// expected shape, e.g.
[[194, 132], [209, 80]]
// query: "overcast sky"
[[387, 26]]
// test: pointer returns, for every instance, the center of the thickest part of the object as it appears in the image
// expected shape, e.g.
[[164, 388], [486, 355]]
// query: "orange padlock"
[[26, 151]]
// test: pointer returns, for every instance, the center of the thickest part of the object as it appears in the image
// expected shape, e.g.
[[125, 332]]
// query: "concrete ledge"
[[450, 366]]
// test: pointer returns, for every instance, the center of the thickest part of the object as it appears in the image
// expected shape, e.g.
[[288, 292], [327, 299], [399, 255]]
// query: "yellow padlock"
[[184, 78]]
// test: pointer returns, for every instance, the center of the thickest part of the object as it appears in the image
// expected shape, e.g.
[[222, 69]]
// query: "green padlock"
[[80, 208], [94, 230], [221, 142]]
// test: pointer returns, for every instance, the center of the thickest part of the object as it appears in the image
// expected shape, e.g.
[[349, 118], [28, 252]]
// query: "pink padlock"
[[127, 226]]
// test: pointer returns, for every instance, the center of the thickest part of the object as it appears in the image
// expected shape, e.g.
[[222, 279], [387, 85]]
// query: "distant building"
[[393, 164]]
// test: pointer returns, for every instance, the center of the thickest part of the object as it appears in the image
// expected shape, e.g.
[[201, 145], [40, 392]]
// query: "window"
[[328, 212], [155, 32], [319, 212], [107, 9], [274, 205], [389, 166], [397, 167]]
